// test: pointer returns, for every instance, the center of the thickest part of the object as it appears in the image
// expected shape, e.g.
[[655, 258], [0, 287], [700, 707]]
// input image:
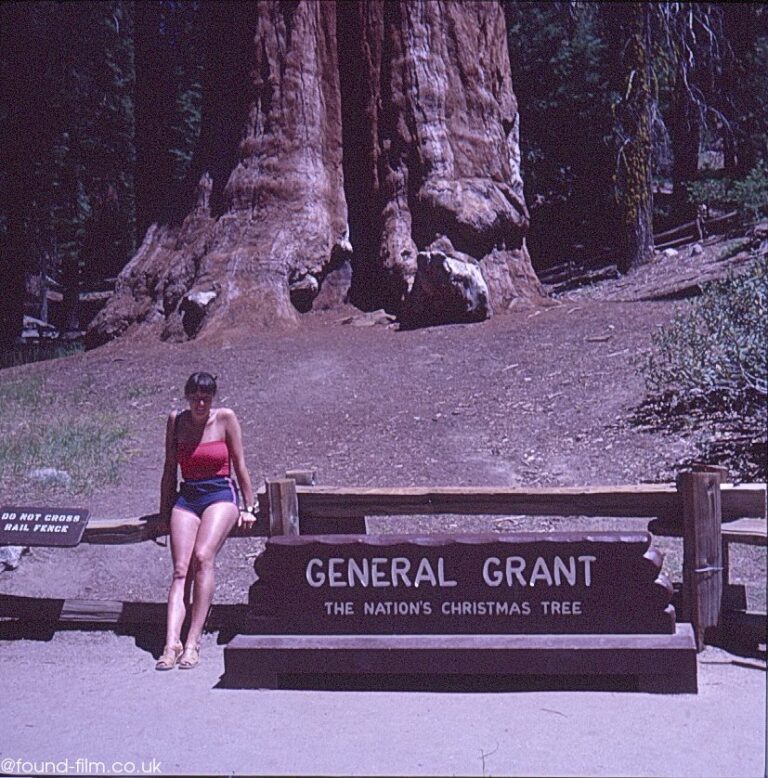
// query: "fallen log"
[[674, 230], [692, 238], [590, 277], [686, 284]]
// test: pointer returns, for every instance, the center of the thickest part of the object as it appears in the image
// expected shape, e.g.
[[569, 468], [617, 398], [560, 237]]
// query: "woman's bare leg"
[[217, 522], [184, 528]]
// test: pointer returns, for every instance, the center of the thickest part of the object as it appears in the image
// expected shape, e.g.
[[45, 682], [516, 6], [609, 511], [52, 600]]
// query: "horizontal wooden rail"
[[641, 500], [743, 501], [670, 244], [674, 230], [340, 502], [139, 529], [328, 502], [717, 219], [748, 532], [119, 531]]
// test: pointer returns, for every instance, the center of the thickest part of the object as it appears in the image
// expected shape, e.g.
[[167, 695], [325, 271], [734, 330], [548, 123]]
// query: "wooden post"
[[702, 550], [303, 477], [723, 473], [282, 507]]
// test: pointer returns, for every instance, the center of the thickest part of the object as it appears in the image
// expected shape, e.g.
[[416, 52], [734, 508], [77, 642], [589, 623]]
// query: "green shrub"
[[751, 194], [748, 196], [712, 192], [715, 349]]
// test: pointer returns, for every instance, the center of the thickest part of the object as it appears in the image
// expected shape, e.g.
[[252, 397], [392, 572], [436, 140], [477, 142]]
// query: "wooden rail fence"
[[601, 264], [707, 513], [698, 229]]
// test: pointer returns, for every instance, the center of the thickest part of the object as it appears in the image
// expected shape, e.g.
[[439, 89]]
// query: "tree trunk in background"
[[635, 156], [404, 111], [743, 92], [23, 141], [170, 63], [12, 276], [685, 135], [151, 73]]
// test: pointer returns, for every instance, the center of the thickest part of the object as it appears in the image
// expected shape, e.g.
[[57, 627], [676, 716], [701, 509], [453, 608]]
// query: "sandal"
[[169, 657], [190, 658]]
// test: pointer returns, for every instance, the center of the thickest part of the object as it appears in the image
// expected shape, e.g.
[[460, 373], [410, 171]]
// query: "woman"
[[203, 441]]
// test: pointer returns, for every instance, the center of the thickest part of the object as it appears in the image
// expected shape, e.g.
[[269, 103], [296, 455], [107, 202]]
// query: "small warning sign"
[[24, 526]]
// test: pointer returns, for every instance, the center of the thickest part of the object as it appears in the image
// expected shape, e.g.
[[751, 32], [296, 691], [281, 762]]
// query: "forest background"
[[632, 116]]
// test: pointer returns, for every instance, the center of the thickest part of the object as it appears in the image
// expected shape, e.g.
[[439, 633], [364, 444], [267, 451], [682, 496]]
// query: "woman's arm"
[[234, 438], [169, 482]]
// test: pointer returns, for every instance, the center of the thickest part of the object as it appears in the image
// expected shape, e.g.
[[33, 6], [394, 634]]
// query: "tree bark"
[[635, 154], [432, 150], [367, 133], [685, 133]]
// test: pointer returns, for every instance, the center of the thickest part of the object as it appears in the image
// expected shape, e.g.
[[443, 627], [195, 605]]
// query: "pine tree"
[[560, 73], [633, 129], [743, 86], [25, 49], [170, 61], [68, 148]]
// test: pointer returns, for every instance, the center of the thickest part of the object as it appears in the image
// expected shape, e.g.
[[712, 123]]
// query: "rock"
[[670, 253], [304, 291], [193, 309], [10, 556], [50, 476], [696, 249], [334, 290], [369, 319], [446, 290], [201, 299]]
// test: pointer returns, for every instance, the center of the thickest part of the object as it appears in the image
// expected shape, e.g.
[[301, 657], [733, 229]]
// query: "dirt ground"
[[536, 396]]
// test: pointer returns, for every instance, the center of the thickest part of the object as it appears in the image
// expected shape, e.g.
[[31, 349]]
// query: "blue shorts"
[[196, 496]]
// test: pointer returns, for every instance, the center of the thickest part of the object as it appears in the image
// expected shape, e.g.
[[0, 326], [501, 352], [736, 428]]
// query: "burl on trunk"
[[379, 164]]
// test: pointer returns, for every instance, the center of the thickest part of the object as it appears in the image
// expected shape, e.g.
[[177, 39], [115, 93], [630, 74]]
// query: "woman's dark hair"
[[200, 382]]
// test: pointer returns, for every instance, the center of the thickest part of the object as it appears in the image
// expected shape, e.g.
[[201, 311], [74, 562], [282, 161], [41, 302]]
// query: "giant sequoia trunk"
[[378, 162]]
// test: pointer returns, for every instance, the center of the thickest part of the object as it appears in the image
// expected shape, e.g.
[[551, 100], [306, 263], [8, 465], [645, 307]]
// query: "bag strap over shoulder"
[[176, 415]]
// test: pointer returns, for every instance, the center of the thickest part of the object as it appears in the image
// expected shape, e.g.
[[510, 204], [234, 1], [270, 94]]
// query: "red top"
[[205, 460]]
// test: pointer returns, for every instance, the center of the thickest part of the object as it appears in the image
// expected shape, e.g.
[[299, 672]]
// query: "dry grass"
[[48, 440]]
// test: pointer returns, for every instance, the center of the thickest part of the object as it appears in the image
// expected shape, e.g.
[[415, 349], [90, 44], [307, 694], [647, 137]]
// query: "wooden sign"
[[522, 583], [25, 526]]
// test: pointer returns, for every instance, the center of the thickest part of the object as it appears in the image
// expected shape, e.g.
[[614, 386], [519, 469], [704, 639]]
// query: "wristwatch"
[[252, 509]]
